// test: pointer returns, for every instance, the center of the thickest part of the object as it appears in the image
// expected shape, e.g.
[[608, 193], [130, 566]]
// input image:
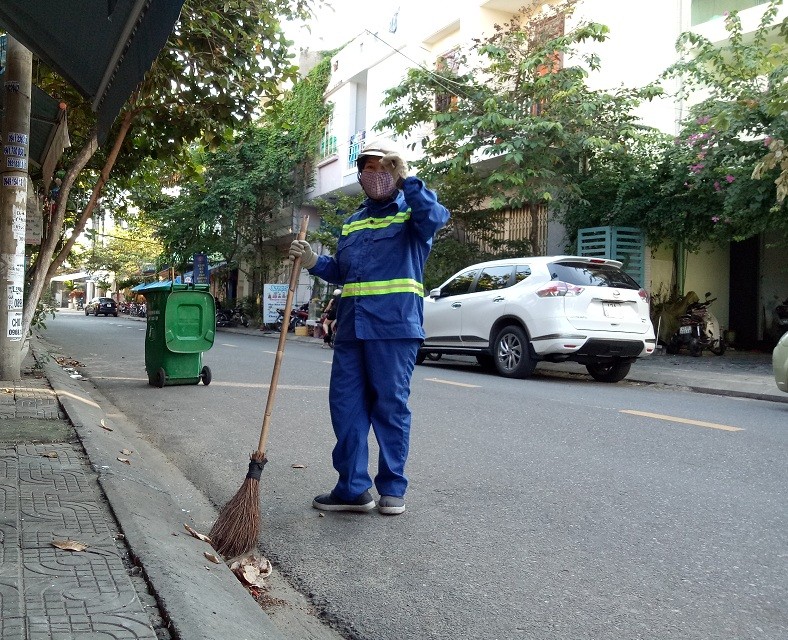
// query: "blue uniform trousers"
[[370, 385]]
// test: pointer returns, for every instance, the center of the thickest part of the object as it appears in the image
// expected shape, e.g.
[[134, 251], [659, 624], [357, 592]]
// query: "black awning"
[[102, 47]]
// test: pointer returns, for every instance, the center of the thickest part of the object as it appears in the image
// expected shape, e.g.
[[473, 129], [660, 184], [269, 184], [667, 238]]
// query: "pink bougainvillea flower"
[[715, 219], [717, 186], [767, 141], [729, 178]]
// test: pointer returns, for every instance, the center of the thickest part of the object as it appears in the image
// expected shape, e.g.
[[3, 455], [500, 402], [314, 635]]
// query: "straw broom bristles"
[[238, 526]]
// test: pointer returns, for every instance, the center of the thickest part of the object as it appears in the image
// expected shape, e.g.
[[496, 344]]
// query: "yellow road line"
[[697, 423], [456, 384]]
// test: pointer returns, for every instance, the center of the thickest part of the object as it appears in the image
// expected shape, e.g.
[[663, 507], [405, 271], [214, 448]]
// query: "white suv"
[[511, 314]]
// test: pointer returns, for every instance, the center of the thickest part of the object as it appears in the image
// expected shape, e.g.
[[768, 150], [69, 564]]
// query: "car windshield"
[[105, 300], [591, 275]]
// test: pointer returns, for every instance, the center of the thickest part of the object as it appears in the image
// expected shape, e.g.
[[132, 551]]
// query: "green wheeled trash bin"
[[181, 325]]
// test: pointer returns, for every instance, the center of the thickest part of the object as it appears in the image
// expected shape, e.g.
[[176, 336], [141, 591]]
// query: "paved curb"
[[152, 500]]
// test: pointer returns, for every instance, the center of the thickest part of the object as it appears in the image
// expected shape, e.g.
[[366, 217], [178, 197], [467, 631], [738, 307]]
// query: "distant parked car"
[[513, 313], [101, 306], [780, 363]]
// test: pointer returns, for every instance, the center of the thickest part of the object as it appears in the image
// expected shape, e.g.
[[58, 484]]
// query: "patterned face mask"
[[378, 185]]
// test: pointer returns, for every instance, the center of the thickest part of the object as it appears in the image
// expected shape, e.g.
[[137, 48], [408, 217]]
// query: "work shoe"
[[391, 506], [329, 502]]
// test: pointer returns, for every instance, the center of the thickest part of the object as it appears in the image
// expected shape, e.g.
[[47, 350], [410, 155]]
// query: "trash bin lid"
[[167, 286], [189, 320]]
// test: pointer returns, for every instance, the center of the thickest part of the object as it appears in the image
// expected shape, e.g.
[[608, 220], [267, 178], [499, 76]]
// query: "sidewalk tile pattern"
[[45, 495]]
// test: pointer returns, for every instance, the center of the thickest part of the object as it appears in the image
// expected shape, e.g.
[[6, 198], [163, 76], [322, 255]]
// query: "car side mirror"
[[435, 293]]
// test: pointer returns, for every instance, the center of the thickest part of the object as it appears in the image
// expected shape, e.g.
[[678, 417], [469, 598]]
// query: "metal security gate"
[[625, 244]]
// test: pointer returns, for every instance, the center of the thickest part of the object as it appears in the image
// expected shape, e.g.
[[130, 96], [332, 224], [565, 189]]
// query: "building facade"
[[749, 279]]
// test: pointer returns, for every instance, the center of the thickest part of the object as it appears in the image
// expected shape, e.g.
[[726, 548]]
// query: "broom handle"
[[280, 349]]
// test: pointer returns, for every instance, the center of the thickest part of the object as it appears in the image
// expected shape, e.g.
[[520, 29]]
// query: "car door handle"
[[456, 305], [499, 299]]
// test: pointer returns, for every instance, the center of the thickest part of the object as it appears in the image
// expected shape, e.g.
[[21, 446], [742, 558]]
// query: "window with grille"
[[328, 143], [527, 224]]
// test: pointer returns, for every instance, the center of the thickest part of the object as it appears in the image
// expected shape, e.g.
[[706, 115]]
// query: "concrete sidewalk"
[[59, 474]]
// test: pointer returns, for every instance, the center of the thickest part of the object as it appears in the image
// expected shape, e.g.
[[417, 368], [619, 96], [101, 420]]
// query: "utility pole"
[[15, 129]]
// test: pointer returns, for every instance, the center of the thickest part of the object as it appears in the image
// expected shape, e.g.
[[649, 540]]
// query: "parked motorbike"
[[698, 329], [231, 317], [298, 318]]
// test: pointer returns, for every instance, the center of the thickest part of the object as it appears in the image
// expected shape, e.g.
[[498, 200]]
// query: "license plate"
[[613, 309], [686, 329]]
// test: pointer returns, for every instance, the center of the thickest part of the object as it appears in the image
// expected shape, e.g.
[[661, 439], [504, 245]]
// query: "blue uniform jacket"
[[380, 264]]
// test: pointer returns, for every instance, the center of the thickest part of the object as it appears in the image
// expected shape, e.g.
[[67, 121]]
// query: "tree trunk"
[[37, 274], [94, 196], [45, 267]]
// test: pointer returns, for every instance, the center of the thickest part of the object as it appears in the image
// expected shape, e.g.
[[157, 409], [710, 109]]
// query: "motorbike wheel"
[[695, 348], [672, 347], [718, 347], [614, 371]]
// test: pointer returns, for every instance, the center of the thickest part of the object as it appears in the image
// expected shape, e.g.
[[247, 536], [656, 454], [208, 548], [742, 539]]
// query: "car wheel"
[[115, 314], [513, 353], [87, 312], [486, 361], [614, 371], [205, 376]]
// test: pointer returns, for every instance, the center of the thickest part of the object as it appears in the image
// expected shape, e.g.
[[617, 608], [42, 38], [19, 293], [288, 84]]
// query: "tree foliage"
[[222, 61], [723, 177], [511, 121], [123, 252], [245, 195]]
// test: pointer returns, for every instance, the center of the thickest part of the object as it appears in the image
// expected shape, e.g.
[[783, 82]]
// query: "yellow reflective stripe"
[[375, 223], [382, 287]]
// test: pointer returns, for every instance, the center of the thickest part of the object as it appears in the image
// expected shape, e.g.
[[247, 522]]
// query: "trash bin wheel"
[[161, 378], [205, 376]]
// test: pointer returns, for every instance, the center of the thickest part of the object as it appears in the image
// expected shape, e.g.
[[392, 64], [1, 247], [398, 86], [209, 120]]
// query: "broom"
[[238, 526]]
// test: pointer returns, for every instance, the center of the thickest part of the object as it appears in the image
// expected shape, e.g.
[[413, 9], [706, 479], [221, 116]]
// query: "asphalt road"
[[545, 508]]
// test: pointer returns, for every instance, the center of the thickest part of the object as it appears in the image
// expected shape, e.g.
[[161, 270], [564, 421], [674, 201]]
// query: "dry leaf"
[[7, 390], [126, 452], [250, 574], [252, 571], [212, 557], [298, 466], [103, 425], [69, 545], [197, 534], [124, 460], [50, 454]]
